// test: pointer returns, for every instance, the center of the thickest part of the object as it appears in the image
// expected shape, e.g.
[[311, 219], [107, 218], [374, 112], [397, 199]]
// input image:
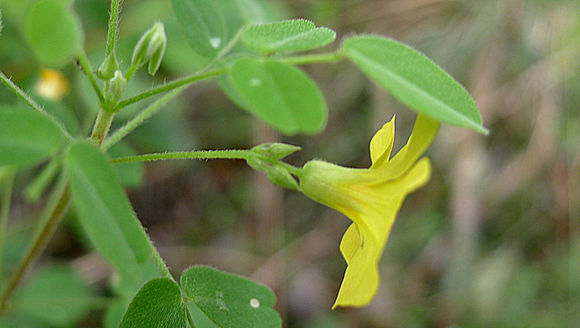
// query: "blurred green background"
[[492, 241]]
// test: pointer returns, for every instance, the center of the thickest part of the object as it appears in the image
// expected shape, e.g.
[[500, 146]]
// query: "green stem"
[[143, 115], [129, 74], [102, 126], [113, 26], [6, 187], [88, 70], [195, 77], [297, 171], [331, 57], [57, 207], [199, 154], [20, 93], [33, 191]]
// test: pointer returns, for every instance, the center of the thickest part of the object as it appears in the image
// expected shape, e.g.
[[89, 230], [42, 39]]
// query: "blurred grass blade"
[[57, 295], [414, 80]]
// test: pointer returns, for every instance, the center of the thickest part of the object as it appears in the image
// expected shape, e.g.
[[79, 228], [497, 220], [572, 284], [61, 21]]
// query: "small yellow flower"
[[371, 198], [52, 84]]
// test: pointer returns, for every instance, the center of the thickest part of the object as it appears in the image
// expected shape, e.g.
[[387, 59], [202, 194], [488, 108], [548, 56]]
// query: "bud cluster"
[[266, 158]]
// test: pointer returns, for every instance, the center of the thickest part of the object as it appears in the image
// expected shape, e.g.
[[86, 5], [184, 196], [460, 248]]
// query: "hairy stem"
[[102, 126], [57, 207], [199, 154], [20, 93], [136, 121], [313, 59], [113, 26], [88, 70], [171, 86]]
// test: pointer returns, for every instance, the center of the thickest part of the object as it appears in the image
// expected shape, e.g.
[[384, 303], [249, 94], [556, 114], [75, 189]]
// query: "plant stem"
[[6, 187], [88, 70], [312, 59], [199, 154], [113, 26], [143, 115], [55, 210], [102, 125], [195, 77], [33, 191], [20, 93]]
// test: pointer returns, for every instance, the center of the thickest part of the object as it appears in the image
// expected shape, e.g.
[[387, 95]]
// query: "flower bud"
[[275, 150], [275, 173], [149, 45], [157, 56], [108, 67], [114, 89]]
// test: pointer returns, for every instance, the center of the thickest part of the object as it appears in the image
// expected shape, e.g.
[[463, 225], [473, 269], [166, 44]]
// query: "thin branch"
[[195, 77], [198, 154], [137, 120], [88, 70], [113, 27], [20, 93]]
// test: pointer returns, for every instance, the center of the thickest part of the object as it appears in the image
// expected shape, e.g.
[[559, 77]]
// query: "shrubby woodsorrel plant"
[[254, 62]]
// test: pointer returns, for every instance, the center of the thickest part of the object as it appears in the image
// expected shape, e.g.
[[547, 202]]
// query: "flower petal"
[[424, 132], [361, 280], [382, 143]]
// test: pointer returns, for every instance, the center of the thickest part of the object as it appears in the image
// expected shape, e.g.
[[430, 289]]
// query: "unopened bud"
[[108, 67], [281, 177], [155, 60], [114, 89], [149, 44], [276, 173], [275, 150]]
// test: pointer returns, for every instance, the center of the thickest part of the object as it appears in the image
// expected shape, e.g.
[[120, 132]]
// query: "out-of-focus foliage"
[[491, 241]]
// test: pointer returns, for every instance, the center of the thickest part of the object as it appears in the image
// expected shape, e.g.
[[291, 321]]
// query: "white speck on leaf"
[[255, 82], [215, 42], [254, 303]]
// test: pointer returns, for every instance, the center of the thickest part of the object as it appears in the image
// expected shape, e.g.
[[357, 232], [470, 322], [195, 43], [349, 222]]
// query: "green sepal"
[[275, 150], [108, 68]]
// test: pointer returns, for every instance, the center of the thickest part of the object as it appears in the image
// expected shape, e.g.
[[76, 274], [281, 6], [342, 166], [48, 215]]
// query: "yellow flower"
[[371, 198], [52, 84]]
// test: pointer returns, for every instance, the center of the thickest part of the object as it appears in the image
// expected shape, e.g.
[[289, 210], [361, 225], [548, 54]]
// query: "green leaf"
[[57, 295], [203, 25], [27, 137], [290, 35], [414, 80], [157, 304], [229, 300], [104, 210], [280, 94], [53, 31]]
